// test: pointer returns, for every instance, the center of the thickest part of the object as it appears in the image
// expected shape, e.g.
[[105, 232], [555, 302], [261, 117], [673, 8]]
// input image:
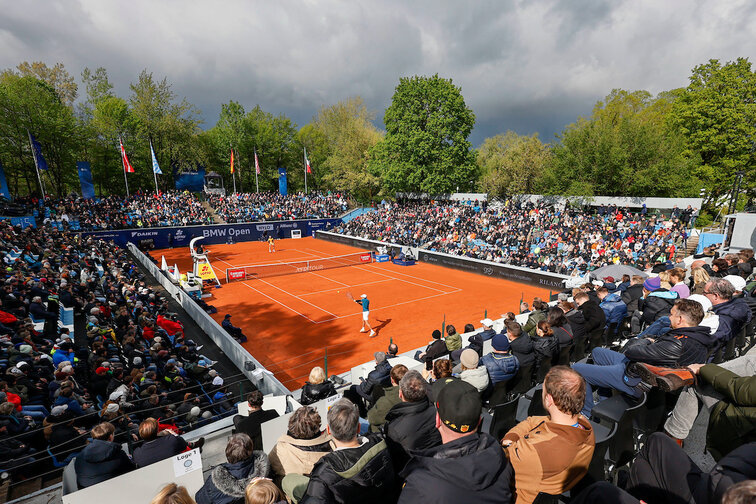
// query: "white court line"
[[403, 280], [331, 279], [295, 296], [279, 261], [279, 302], [418, 278], [350, 286], [390, 306]]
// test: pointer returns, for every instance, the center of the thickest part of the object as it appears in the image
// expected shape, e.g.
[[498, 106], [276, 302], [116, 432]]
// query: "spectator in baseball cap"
[[468, 466], [500, 364]]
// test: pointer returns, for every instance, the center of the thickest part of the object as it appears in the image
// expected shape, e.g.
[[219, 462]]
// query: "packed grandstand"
[[609, 376]]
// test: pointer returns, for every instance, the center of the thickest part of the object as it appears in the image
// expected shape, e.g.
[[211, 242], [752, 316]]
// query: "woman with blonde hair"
[[173, 494], [700, 279], [316, 387], [263, 491], [666, 282]]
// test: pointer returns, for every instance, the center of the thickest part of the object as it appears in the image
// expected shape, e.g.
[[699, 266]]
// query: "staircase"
[[211, 212]]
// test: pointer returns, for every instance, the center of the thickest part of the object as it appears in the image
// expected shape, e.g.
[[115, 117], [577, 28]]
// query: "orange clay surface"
[[289, 320]]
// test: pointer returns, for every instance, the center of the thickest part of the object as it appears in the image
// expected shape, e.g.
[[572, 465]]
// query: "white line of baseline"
[[373, 270], [350, 286]]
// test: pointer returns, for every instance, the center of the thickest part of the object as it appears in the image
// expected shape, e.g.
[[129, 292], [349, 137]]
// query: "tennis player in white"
[[365, 302]]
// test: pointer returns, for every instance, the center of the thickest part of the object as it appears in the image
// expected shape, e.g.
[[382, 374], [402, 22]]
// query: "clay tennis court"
[[291, 319]]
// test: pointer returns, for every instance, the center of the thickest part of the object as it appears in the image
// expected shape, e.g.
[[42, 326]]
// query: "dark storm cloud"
[[529, 66]]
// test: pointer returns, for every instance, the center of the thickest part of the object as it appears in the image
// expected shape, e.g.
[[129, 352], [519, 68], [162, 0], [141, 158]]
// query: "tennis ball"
[[338, 292]]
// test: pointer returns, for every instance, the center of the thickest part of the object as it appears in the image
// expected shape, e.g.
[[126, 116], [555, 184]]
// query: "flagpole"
[[154, 173], [36, 165], [123, 162], [257, 186], [305, 167], [233, 175]]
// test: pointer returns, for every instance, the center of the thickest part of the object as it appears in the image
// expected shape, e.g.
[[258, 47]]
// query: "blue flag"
[[3, 183], [155, 165], [39, 159], [85, 178]]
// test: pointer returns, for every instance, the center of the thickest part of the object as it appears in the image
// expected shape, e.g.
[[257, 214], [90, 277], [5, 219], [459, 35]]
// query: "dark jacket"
[[737, 466], [732, 421], [545, 348], [487, 334], [631, 295], [476, 343], [380, 376], [657, 304], [577, 323], [159, 449], [522, 348], [314, 393], [410, 426], [433, 351], [594, 316], [100, 461], [733, 316], [676, 348], [468, 469], [227, 482], [250, 425], [364, 475], [500, 366], [563, 334]]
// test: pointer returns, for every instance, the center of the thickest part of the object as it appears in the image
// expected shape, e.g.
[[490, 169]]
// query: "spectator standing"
[[250, 424], [520, 346]]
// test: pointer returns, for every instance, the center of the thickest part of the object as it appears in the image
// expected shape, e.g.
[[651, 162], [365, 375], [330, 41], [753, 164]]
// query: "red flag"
[[257, 164], [126, 165], [232, 160]]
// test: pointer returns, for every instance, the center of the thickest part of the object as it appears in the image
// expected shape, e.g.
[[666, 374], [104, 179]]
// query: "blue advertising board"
[[165, 237]]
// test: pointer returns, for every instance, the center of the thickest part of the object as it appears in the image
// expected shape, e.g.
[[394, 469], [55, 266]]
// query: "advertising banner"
[[85, 179]]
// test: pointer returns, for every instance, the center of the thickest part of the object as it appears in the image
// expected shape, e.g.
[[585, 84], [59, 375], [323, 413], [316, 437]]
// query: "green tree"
[[716, 113], [57, 77], [426, 146], [347, 135], [511, 164], [625, 148]]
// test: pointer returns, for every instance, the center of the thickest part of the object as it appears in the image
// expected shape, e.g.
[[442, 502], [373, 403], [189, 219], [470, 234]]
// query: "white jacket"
[[477, 377]]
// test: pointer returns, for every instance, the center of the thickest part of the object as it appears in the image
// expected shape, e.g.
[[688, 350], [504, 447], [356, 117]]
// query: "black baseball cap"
[[459, 406]]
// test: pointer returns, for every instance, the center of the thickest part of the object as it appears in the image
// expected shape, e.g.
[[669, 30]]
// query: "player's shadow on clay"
[[383, 323]]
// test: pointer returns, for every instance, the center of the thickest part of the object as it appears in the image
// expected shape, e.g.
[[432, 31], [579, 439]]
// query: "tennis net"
[[278, 269]]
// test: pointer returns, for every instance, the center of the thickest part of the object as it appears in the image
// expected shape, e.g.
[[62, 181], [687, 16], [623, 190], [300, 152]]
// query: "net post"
[[485, 313], [325, 362], [443, 326], [549, 295]]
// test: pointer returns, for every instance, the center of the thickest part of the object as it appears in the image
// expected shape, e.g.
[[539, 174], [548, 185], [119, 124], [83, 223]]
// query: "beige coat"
[[298, 456]]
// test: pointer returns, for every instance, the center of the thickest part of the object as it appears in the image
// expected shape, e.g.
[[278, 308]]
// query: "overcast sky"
[[528, 66]]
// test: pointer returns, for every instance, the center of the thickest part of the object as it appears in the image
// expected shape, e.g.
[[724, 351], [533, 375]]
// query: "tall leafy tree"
[[717, 115], [347, 135], [426, 147], [57, 77], [625, 147], [511, 163]]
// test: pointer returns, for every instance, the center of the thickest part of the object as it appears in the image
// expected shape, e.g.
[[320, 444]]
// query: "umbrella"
[[616, 271]]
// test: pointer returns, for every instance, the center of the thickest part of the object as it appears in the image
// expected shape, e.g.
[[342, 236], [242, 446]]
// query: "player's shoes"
[[363, 330], [372, 334]]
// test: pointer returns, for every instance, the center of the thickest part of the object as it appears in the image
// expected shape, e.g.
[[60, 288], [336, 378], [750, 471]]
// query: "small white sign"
[[186, 462]]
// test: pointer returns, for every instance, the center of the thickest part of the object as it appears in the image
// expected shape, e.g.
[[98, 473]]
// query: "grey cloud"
[[529, 66]]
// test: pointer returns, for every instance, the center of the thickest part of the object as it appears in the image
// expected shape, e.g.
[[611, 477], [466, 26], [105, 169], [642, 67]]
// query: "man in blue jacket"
[[101, 459], [614, 309], [500, 364]]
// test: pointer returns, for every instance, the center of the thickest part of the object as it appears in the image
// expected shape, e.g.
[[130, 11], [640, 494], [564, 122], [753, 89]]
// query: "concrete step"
[[211, 212]]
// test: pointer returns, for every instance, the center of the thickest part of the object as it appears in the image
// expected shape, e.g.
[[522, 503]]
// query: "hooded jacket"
[[364, 474], [614, 309], [411, 426], [227, 482], [545, 348], [100, 461], [377, 414], [733, 316], [468, 469], [676, 348], [577, 323], [477, 377], [522, 348], [594, 316], [657, 304], [631, 295], [298, 456]]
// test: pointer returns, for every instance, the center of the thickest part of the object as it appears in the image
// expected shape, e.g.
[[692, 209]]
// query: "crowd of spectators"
[[545, 237], [126, 373], [140, 210], [268, 206]]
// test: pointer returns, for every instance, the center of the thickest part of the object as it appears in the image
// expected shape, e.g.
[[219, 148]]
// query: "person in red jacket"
[[171, 325]]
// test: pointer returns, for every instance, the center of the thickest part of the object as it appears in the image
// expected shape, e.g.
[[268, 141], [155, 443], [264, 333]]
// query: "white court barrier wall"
[[141, 485], [261, 377]]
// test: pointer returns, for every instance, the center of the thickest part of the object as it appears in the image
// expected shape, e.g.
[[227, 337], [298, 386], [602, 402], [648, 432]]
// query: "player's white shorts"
[[365, 315]]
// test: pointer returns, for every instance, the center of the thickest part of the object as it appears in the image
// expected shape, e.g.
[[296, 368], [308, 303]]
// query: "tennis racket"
[[349, 296]]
